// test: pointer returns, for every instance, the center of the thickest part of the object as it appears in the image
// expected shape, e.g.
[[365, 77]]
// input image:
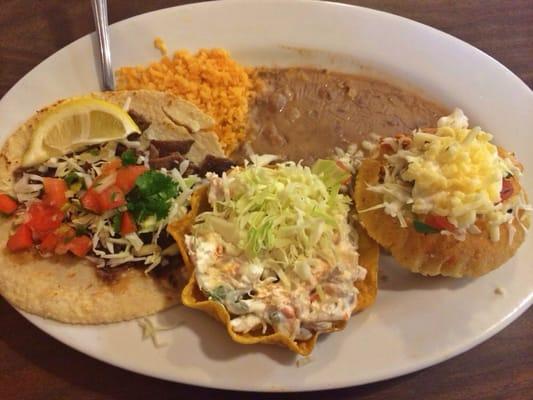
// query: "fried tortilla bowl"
[[431, 254], [66, 288], [193, 297]]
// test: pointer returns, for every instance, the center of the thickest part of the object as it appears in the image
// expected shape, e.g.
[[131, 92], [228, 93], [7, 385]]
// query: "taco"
[[444, 201], [271, 253], [85, 241]]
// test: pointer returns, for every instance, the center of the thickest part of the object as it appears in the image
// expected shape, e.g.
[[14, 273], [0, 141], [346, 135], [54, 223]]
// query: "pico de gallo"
[[109, 204]]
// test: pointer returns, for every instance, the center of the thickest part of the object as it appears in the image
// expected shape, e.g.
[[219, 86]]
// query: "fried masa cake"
[[272, 255], [444, 201]]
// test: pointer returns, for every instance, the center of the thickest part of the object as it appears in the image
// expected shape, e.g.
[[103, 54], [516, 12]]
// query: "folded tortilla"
[[67, 288], [193, 297]]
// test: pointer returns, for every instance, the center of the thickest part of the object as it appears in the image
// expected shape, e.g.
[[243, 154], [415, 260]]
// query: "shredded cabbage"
[[283, 214]]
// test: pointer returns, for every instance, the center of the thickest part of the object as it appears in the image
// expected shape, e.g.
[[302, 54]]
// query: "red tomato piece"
[[90, 201], [44, 218], [127, 224], [21, 239], [65, 232], [64, 235], [507, 189], [111, 198], [49, 243], [127, 176], [80, 245], [7, 204], [55, 192], [111, 166], [439, 222], [61, 247]]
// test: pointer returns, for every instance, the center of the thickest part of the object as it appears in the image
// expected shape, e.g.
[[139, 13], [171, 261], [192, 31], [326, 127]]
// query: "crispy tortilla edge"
[[193, 297]]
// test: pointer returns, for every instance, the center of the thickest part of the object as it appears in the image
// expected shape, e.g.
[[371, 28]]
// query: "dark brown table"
[[35, 366]]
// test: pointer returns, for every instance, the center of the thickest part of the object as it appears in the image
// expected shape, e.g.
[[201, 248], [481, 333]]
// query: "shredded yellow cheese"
[[456, 172], [453, 172]]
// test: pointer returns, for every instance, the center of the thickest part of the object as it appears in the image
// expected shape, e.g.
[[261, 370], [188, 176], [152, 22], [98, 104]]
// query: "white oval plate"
[[416, 322]]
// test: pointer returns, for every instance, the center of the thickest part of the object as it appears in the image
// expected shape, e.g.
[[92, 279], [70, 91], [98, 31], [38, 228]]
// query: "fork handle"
[[102, 34]]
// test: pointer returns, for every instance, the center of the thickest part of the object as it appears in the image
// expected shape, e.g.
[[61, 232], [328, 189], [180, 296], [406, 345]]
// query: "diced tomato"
[[80, 245], [55, 192], [111, 166], [49, 243], [62, 246], [65, 234], [111, 198], [68, 241], [21, 239], [127, 224], [108, 199], [7, 204], [127, 176], [439, 222], [43, 218], [90, 201], [507, 189]]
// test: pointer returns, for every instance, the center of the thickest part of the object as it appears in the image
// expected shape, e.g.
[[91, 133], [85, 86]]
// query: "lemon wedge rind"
[[74, 124]]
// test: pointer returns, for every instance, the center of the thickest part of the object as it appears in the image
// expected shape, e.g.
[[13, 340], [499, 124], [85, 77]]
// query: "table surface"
[[35, 366]]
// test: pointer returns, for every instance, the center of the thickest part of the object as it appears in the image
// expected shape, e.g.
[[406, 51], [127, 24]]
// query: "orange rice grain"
[[210, 79]]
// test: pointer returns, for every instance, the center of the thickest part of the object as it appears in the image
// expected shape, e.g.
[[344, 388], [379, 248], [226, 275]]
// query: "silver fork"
[[102, 34]]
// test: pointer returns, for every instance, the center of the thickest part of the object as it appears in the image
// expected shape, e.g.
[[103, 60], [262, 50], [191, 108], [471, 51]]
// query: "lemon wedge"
[[74, 124]]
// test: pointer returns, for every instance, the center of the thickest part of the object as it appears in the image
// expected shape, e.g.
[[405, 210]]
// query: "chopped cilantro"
[[424, 228], [219, 293], [94, 151], [116, 222], [73, 179], [81, 230], [151, 195], [129, 157]]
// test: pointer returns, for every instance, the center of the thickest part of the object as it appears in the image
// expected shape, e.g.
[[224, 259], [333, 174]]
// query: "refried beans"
[[304, 113]]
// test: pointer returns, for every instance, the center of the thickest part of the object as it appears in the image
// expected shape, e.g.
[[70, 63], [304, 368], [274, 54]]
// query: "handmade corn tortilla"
[[68, 289]]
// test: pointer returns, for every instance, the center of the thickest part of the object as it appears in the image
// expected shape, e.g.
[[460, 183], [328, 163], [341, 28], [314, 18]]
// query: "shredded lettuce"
[[282, 214]]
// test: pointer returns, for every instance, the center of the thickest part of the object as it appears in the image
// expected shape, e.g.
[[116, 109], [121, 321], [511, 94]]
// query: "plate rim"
[[416, 366]]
